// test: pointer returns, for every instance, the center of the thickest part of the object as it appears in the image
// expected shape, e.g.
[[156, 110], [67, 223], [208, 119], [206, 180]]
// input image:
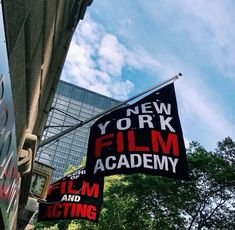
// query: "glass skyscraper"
[[71, 105]]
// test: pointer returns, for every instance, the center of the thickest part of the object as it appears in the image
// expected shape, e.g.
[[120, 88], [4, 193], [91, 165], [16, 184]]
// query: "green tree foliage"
[[71, 168], [226, 149], [205, 201]]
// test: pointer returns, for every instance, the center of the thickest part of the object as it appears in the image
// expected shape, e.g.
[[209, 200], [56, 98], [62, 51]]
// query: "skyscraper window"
[[71, 105]]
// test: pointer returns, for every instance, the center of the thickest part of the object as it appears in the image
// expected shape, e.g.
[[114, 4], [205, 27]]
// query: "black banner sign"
[[145, 137], [73, 198]]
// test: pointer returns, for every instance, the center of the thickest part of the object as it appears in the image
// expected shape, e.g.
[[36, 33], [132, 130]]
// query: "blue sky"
[[123, 47]]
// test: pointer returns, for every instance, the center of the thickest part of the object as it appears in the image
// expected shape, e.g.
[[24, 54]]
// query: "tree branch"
[[212, 213]]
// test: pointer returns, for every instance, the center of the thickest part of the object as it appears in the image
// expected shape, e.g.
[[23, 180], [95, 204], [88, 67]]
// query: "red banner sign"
[[73, 198]]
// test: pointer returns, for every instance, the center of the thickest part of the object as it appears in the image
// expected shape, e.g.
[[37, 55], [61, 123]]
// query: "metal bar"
[[57, 136], [57, 126], [54, 108]]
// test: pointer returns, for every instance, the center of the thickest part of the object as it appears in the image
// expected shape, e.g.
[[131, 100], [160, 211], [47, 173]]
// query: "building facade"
[[71, 105], [36, 35]]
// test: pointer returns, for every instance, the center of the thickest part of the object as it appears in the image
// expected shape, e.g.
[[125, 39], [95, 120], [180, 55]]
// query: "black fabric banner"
[[73, 197], [145, 137]]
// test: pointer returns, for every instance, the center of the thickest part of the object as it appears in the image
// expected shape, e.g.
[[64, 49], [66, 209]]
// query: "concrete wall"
[[38, 34]]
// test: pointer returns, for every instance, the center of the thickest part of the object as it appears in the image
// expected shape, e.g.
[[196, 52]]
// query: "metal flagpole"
[[57, 136]]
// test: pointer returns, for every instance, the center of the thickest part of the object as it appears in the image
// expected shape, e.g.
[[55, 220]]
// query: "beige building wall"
[[38, 34]]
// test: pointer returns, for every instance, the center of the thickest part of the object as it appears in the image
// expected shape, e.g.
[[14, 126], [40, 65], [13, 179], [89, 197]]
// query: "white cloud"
[[211, 25], [111, 55], [208, 26], [203, 115], [96, 60], [200, 40], [186, 142]]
